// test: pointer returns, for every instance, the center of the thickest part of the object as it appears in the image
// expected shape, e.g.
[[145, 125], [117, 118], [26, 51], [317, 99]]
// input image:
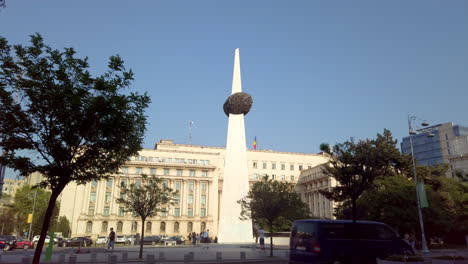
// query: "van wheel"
[[26, 246], [7, 247]]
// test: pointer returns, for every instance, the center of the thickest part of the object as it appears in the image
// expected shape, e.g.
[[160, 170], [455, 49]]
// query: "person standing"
[[111, 242], [261, 234]]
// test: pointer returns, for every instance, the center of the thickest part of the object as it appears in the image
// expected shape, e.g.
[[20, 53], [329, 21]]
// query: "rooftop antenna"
[[190, 123]]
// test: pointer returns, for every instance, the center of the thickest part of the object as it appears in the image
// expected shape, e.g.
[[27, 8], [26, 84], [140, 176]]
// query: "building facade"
[[309, 184], [449, 140], [11, 185], [196, 172]]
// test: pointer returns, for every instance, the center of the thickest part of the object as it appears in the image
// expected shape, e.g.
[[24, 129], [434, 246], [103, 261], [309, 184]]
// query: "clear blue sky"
[[318, 71]]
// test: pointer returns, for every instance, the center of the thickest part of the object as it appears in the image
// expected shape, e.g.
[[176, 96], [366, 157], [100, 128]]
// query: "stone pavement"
[[180, 254]]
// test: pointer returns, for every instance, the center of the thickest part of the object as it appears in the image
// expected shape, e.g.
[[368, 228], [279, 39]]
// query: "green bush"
[[450, 257], [404, 258]]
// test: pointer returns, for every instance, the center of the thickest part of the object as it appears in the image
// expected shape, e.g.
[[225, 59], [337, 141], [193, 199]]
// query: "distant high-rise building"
[[449, 141]]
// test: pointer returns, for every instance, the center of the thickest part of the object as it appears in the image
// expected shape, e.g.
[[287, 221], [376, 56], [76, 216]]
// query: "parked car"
[[77, 241], [150, 240], [23, 243], [47, 239], [177, 239], [120, 239], [164, 237], [7, 242], [101, 240], [329, 241]]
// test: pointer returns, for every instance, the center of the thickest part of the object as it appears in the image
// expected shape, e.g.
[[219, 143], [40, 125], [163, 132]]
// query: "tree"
[[63, 226], [393, 201], [58, 120], [146, 199], [23, 205], [355, 166], [273, 204]]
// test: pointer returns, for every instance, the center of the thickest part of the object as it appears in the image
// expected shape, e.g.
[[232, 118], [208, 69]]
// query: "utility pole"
[[32, 217]]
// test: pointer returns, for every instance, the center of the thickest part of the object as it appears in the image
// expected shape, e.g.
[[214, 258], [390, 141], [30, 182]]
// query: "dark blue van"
[[342, 241]]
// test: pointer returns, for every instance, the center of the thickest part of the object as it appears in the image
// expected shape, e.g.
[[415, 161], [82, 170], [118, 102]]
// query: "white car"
[[47, 239], [164, 237], [120, 239], [101, 240]]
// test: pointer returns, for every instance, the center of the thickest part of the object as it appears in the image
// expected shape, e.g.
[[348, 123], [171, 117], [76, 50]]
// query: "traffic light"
[[29, 219]]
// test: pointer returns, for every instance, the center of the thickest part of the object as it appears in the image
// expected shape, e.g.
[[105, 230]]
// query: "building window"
[[273, 176], [203, 199], [91, 210], [179, 172], [134, 227], [178, 186], [273, 166], [119, 226], [283, 166], [291, 167], [300, 167], [202, 212], [292, 177], [204, 173], [176, 211], [163, 212], [190, 212], [283, 177], [254, 164], [204, 186], [108, 197], [89, 227], [123, 182], [264, 165], [121, 211], [93, 183], [92, 197], [190, 199], [162, 228], [109, 183], [138, 183], [139, 171], [177, 198], [148, 227], [166, 172], [189, 227], [165, 183], [192, 173], [191, 185], [203, 226], [125, 170], [176, 227], [153, 171], [104, 226], [105, 212]]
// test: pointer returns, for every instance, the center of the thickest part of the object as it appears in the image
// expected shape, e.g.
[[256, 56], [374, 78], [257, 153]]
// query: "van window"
[[375, 232], [360, 231], [304, 236]]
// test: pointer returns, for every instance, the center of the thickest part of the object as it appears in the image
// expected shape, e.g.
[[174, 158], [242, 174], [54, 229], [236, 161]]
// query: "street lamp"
[[412, 132]]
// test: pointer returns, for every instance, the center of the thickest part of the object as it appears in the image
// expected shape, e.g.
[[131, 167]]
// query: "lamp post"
[[412, 132]]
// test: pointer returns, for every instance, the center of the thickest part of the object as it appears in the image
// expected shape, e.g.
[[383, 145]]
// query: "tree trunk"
[[45, 225], [142, 236], [271, 239]]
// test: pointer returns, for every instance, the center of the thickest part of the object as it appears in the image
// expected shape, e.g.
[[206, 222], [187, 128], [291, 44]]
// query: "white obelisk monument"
[[236, 178]]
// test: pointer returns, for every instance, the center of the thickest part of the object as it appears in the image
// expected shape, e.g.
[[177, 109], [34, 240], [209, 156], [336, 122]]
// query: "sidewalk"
[[214, 254]]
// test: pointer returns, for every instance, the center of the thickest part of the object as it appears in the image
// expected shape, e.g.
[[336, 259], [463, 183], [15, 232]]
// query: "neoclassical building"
[[196, 172], [310, 182]]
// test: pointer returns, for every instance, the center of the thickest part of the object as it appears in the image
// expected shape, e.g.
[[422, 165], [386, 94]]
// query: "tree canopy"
[[58, 120], [355, 166], [273, 204], [146, 199]]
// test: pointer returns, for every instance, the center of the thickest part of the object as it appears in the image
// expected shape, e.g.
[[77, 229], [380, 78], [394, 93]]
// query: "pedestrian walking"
[[261, 234], [194, 238], [111, 243]]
